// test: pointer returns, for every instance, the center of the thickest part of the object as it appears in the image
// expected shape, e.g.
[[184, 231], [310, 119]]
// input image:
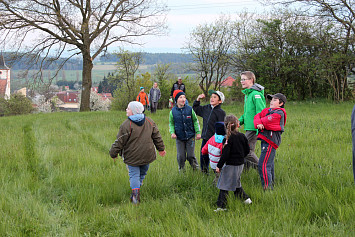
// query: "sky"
[[185, 15]]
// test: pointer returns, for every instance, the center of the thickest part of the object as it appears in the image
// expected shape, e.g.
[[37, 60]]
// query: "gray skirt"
[[229, 179]]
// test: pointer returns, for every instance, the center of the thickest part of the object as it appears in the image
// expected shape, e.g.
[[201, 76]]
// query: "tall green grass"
[[57, 179]]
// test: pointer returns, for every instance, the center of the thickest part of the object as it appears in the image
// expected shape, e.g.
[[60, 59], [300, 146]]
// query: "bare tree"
[[343, 11], [42, 28], [210, 45]]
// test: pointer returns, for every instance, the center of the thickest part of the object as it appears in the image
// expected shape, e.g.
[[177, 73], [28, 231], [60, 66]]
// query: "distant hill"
[[154, 58], [77, 64]]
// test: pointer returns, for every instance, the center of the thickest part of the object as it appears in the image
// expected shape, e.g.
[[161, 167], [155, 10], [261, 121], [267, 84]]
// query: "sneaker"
[[220, 209], [248, 201]]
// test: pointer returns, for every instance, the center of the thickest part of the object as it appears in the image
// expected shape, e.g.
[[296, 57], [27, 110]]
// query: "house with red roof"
[[228, 82]]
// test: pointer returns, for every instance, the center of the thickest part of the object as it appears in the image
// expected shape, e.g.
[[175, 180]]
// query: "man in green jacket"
[[254, 103]]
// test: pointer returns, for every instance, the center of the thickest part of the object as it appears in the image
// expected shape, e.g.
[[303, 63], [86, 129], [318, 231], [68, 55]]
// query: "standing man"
[[254, 103], [154, 97], [143, 98], [353, 135], [178, 85]]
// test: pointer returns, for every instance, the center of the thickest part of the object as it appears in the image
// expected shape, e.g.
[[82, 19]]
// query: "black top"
[[210, 116], [234, 151]]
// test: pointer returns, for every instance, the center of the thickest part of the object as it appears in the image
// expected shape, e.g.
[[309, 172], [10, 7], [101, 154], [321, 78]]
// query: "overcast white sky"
[[185, 15]]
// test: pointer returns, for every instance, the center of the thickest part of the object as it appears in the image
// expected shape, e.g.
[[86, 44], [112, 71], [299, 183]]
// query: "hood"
[[218, 138], [257, 87], [138, 119]]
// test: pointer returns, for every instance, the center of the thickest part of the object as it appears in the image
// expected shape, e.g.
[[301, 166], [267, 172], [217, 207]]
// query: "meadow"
[[57, 179]]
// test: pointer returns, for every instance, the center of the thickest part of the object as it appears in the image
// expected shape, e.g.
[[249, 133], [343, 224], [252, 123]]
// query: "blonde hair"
[[249, 75], [231, 124]]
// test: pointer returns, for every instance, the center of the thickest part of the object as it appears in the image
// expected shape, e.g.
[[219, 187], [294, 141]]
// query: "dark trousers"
[[223, 195], [266, 165], [204, 159]]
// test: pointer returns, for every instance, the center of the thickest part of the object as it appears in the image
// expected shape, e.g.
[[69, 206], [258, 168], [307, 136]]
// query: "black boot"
[[135, 197]]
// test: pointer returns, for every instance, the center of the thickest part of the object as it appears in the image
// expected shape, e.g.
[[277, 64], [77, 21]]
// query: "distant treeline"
[[26, 62], [17, 62], [154, 58]]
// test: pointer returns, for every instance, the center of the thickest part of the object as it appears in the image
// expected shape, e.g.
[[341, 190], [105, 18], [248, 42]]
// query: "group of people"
[[223, 147], [151, 100]]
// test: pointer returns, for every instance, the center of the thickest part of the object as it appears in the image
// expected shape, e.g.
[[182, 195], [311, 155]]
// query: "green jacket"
[[254, 103]]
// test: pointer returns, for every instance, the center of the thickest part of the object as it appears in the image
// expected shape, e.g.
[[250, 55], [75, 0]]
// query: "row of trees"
[[301, 56]]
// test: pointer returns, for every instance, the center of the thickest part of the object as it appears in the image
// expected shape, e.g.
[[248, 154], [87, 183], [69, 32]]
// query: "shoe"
[[220, 209], [135, 197], [248, 201]]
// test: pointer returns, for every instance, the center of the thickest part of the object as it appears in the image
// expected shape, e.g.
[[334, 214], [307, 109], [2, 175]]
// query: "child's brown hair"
[[231, 124]]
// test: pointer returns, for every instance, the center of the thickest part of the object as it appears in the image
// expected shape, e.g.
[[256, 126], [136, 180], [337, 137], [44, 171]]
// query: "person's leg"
[[134, 180], [264, 146], [143, 172], [266, 165], [181, 153], [251, 159], [190, 150], [204, 159], [222, 198]]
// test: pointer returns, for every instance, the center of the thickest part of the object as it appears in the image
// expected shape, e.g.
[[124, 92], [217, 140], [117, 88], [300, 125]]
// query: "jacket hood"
[[218, 138], [257, 87], [138, 119]]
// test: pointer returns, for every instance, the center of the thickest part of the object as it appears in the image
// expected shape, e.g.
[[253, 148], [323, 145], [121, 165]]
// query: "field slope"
[[57, 179]]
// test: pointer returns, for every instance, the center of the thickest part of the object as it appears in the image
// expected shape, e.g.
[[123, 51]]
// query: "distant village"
[[60, 99]]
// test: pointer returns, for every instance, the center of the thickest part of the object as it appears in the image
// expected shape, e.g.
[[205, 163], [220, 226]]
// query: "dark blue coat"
[[184, 125]]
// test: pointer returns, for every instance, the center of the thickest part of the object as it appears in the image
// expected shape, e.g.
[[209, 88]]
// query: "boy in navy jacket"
[[270, 122]]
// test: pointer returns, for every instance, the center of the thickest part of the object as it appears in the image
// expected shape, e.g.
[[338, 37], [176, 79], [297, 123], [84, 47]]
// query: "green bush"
[[16, 105]]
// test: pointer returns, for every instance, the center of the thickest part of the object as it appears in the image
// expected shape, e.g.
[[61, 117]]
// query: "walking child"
[[143, 98], [231, 164], [136, 142], [210, 114], [213, 147], [184, 126], [270, 122]]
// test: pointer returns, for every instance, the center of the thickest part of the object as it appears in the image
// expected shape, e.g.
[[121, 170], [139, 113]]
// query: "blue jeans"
[[204, 159], [266, 165], [137, 175]]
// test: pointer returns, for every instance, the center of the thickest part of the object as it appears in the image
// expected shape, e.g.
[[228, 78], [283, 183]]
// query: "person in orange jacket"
[[143, 98]]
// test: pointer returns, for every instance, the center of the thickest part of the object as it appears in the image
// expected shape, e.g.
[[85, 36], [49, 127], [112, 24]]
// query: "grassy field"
[[57, 179]]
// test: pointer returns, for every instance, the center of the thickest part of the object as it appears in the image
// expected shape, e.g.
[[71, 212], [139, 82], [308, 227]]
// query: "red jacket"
[[214, 151], [274, 121], [143, 98]]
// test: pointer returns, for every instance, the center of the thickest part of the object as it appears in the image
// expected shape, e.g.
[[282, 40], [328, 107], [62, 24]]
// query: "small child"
[[270, 122], [213, 147], [184, 126], [136, 142], [143, 98], [231, 163], [210, 114]]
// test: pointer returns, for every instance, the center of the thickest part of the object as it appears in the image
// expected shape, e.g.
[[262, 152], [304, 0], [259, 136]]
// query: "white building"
[[4, 79]]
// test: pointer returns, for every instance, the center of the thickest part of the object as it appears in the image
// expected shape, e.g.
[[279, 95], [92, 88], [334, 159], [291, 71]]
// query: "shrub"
[[16, 105]]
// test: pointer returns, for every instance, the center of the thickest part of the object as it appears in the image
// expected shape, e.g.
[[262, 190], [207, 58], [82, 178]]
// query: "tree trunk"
[[87, 82]]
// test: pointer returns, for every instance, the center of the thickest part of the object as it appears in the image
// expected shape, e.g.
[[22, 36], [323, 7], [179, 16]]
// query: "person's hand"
[[162, 153], [201, 96], [173, 136], [217, 170], [260, 126], [198, 136]]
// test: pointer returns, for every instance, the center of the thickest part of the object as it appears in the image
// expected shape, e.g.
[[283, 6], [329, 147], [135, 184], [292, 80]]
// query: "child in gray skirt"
[[231, 163]]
